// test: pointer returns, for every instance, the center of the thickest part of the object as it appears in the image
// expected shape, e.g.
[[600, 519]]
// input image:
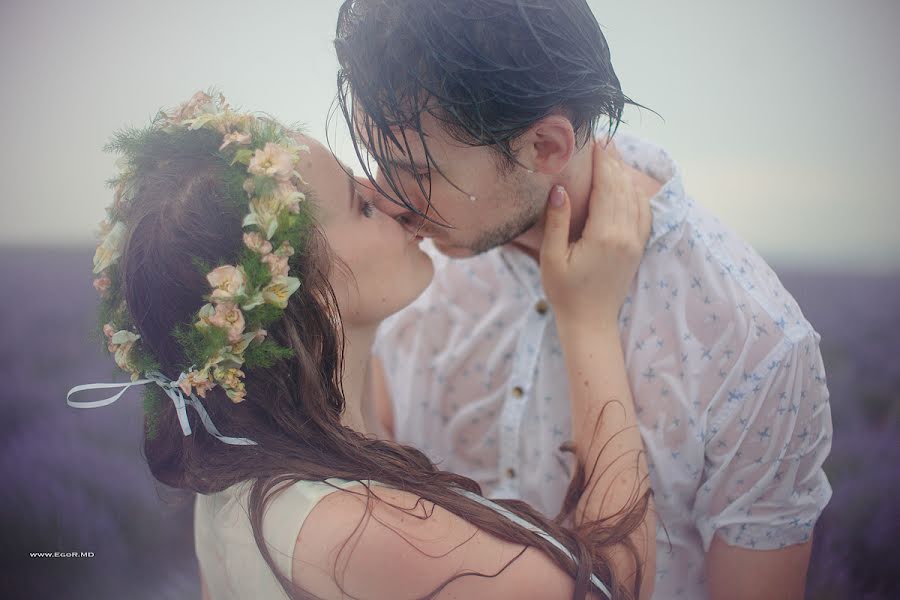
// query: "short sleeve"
[[767, 437]]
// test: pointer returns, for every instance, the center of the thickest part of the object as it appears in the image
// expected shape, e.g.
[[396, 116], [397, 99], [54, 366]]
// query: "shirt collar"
[[669, 204]]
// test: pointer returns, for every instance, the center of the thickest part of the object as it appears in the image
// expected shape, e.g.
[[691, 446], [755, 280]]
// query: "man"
[[472, 110]]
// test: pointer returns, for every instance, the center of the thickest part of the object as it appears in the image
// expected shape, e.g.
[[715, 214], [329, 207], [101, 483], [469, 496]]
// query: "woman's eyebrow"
[[352, 182]]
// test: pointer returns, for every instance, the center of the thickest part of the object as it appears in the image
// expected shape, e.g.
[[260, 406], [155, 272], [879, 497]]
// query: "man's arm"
[[735, 573], [764, 486]]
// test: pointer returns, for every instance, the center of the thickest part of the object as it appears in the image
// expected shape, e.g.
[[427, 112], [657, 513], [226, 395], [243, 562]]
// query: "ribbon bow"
[[172, 390]]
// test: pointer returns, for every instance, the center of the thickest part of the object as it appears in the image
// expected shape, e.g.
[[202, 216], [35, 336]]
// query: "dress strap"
[[534, 528]]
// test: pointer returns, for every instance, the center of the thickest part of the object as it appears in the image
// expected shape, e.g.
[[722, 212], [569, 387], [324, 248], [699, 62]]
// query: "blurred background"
[[783, 116]]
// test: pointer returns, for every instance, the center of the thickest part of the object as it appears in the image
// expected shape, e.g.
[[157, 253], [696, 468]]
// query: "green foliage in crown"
[[229, 332]]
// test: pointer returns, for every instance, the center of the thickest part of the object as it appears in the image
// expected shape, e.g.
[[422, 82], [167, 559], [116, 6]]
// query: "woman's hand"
[[586, 281]]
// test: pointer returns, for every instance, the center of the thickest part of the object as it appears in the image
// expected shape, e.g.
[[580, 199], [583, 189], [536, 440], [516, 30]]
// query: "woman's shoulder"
[[382, 542], [226, 546], [224, 516]]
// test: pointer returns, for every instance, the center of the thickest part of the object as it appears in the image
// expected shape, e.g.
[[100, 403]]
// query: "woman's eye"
[[367, 207]]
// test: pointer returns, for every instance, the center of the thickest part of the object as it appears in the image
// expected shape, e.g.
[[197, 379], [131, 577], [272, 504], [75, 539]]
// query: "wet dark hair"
[[487, 70], [182, 212]]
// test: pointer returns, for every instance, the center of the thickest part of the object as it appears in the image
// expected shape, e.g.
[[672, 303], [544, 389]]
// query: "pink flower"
[[191, 108], [260, 335], [101, 284], [229, 317], [278, 265], [272, 161], [196, 380], [257, 243], [227, 282], [236, 137]]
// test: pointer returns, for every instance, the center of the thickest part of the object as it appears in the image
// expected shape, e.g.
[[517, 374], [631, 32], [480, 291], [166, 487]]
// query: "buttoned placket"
[[521, 383]]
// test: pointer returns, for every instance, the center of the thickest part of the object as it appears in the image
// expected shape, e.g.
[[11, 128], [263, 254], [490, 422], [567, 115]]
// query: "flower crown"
[[228, 334]]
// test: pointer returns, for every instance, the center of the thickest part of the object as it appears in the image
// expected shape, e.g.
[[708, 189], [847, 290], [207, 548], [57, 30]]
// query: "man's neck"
[[578, 183]]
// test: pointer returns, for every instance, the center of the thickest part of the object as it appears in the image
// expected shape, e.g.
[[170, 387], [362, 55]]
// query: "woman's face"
[[383, 268]]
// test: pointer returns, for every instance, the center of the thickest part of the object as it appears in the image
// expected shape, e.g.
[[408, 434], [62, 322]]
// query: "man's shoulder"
[[710, 264], [689, 246]]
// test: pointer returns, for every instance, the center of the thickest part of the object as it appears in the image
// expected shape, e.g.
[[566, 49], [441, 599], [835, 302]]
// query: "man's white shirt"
[[726, 372]]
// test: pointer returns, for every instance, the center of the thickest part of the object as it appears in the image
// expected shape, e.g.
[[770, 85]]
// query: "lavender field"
[[75, 481]]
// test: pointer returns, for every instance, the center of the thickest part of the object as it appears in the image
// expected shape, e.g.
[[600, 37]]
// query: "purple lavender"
[[75, 480]]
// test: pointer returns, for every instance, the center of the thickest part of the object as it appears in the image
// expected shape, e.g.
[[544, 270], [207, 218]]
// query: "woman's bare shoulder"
[[388, 543]]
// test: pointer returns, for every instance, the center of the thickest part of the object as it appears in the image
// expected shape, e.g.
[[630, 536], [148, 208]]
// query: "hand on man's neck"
[[577, 181]]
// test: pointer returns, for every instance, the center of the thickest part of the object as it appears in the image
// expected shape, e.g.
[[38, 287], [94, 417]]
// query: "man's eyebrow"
[[407, 166]]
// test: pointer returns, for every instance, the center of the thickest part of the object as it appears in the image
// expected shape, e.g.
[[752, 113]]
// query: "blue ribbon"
[[172, 390]]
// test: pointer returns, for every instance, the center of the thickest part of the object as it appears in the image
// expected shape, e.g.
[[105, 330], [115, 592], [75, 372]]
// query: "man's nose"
[[388, 207]]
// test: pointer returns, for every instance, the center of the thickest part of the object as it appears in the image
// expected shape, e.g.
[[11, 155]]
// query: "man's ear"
[[548, 145]]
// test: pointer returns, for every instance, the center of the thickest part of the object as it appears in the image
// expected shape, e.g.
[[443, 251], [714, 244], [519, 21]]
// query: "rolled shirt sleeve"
[[767, 436]]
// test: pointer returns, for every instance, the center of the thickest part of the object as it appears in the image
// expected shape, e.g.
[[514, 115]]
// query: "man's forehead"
[[406, 151]]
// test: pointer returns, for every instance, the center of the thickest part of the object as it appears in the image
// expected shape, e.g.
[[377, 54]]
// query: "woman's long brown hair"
[[181, 218]]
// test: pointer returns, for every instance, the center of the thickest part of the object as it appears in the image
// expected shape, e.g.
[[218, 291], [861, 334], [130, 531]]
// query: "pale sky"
[[782, 115]]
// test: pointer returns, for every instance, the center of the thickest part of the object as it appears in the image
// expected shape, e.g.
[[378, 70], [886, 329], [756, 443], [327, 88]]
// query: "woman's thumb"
[[556, 226]]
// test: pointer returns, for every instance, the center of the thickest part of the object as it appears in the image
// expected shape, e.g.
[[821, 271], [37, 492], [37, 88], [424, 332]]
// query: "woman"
[[243, 273]]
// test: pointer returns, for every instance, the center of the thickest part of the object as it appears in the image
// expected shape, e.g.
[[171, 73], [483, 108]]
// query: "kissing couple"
[[592, 389]]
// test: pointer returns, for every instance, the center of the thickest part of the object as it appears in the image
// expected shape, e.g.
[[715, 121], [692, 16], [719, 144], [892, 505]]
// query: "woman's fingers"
[[555, 245], [600, 212], [611, 210]]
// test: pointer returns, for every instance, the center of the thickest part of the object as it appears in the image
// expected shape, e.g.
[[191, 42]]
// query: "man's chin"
[[453, 251]]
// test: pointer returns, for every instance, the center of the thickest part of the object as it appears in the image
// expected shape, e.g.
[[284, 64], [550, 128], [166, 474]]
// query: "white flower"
[[290, 196], [120, 344], [279, 290], [110, 249], [264, 214], [231, 380]]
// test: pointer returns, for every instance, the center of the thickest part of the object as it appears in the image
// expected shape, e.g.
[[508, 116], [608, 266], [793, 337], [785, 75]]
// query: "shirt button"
[[511, 473], [541, 307], [518, 392]]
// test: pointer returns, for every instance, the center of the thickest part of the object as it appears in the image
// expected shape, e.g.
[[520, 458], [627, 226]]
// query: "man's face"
[[505, 205]]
